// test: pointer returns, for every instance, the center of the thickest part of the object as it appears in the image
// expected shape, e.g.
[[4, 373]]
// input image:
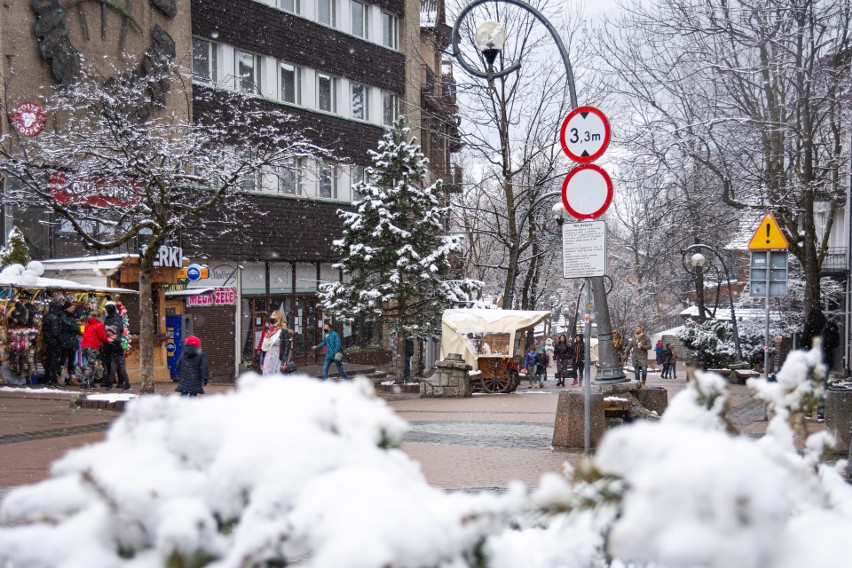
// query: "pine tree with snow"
[[16, 250], [395, 249]]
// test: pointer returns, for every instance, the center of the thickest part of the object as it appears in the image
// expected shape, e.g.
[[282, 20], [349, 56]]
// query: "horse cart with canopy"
[[493, 342]]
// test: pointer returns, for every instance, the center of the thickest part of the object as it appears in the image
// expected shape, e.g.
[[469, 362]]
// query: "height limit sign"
[[584, 134]]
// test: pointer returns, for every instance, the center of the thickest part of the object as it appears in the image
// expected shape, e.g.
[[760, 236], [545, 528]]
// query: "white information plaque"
[[584, 249]]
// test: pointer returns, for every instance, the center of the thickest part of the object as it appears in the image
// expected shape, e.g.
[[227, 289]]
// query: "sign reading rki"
[[584, 134]]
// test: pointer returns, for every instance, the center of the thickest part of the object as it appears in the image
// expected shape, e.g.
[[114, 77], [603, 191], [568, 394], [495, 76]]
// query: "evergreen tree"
[[395, 251], [16, 250]]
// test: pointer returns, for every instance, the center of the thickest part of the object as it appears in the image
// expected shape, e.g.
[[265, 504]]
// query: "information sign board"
[[584, 249], [777, 273]]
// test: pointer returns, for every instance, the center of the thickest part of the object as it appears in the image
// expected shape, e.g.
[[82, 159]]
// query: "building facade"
[[343, 69]]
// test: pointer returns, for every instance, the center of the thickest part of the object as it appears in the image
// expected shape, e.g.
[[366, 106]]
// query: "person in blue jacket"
[[333, 351]]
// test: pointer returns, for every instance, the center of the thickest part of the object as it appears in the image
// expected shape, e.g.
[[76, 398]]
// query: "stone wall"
[[450, 379]]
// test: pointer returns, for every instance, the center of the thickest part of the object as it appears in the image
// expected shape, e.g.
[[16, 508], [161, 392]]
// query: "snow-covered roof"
[[746, 231], [723, 313], [189, 292], [106, 264], [40, 283]]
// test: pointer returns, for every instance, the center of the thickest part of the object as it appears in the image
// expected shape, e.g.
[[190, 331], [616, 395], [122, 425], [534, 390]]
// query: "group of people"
[[571, 358], [67, 329], [275, 348], [570, 361]]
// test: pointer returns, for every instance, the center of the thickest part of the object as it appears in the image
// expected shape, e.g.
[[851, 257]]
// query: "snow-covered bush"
[[290, 469], [710, 341]]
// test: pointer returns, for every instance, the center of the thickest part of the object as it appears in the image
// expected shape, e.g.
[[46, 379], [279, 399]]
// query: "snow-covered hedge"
[[289, 469]]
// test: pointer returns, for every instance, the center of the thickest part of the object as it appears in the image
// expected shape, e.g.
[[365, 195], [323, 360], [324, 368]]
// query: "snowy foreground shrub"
[[293, 469]]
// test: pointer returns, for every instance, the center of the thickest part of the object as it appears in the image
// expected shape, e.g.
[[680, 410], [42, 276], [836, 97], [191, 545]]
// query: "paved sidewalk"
[[481, 442]]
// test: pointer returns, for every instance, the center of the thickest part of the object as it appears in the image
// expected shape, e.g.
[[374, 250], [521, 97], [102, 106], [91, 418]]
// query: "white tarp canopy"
[[39, 283], [460, 326]]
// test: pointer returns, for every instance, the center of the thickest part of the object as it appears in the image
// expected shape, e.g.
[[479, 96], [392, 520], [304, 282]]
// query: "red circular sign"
[[587, 192], [584, 134], [28, 119]]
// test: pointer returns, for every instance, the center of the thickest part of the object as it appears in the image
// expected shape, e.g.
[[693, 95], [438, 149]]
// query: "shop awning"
[[29, 283], [189, 292]]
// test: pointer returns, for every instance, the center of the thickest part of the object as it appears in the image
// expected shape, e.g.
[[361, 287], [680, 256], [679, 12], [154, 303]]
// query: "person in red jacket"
[[93, 337]]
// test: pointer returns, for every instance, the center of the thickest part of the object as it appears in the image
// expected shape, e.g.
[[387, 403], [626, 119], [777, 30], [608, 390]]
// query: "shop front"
[[24, 299], [122, 270]]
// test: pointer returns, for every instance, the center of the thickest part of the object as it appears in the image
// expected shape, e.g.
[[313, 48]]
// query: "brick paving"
[[482, 442]]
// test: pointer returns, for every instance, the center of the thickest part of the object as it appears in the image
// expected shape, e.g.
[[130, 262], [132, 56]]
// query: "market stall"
[[24, 298]]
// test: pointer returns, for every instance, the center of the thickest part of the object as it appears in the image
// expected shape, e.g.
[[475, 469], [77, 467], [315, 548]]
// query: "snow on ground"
[[283, 469], [43, 390], [112, 396]]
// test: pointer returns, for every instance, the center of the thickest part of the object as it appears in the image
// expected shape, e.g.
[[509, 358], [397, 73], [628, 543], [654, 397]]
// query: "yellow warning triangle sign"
[[768, 236]]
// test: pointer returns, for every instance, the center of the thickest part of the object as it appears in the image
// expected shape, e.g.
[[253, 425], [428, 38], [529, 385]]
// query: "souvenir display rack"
[[22, 310]]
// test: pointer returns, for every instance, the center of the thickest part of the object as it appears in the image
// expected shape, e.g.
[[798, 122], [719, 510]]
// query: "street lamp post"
[[489, 37], [697, 262]]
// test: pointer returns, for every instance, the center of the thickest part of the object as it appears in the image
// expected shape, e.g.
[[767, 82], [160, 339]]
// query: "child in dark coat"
[[541, 362], [192, 368]]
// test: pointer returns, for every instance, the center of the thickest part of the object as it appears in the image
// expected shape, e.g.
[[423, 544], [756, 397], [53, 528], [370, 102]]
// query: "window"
[[290, 178], [327, 180], [247, 72], [203, 60], [360, 104], [326, 93], [291, 83], [359, 174], [325, 12], [390, 30], [390, 107], [291, 6], [360, 17], [252, 180]]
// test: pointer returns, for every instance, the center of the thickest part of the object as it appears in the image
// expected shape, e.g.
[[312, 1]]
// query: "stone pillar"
[[838, 418], [655, 399], [569, 427], [450, 379]]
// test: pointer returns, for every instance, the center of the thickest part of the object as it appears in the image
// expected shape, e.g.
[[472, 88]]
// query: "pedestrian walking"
[[638, 348], [333, 351], [276, 341], [113, 351], [193, 370], [529, 364], [562, 354], [409, 353], [578, 359], [70, 330], [665, 358], [51, 338], [259, 349], [541, 362], [658, 349], [94, 336]]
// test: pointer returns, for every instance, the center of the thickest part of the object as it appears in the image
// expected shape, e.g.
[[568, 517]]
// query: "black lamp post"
[[489, 37], [695, 266]]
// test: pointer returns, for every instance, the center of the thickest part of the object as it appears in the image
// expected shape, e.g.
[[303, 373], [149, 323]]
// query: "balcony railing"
[[834, 261]]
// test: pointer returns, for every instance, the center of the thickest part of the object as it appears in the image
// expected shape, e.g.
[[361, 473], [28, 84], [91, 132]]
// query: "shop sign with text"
[[224, 296]]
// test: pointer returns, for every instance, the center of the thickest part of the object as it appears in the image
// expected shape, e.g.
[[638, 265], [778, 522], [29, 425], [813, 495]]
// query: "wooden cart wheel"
[[495, 378]]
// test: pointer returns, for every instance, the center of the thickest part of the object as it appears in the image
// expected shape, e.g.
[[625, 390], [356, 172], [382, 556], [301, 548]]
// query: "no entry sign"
[[584, 134], [587, 192]]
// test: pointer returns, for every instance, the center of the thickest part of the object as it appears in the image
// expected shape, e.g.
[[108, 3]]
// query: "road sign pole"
[[766, 330], [587, 373]]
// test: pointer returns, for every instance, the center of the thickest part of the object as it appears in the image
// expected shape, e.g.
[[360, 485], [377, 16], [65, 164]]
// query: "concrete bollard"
[[569, 428], [653, 398], [838, 418]]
